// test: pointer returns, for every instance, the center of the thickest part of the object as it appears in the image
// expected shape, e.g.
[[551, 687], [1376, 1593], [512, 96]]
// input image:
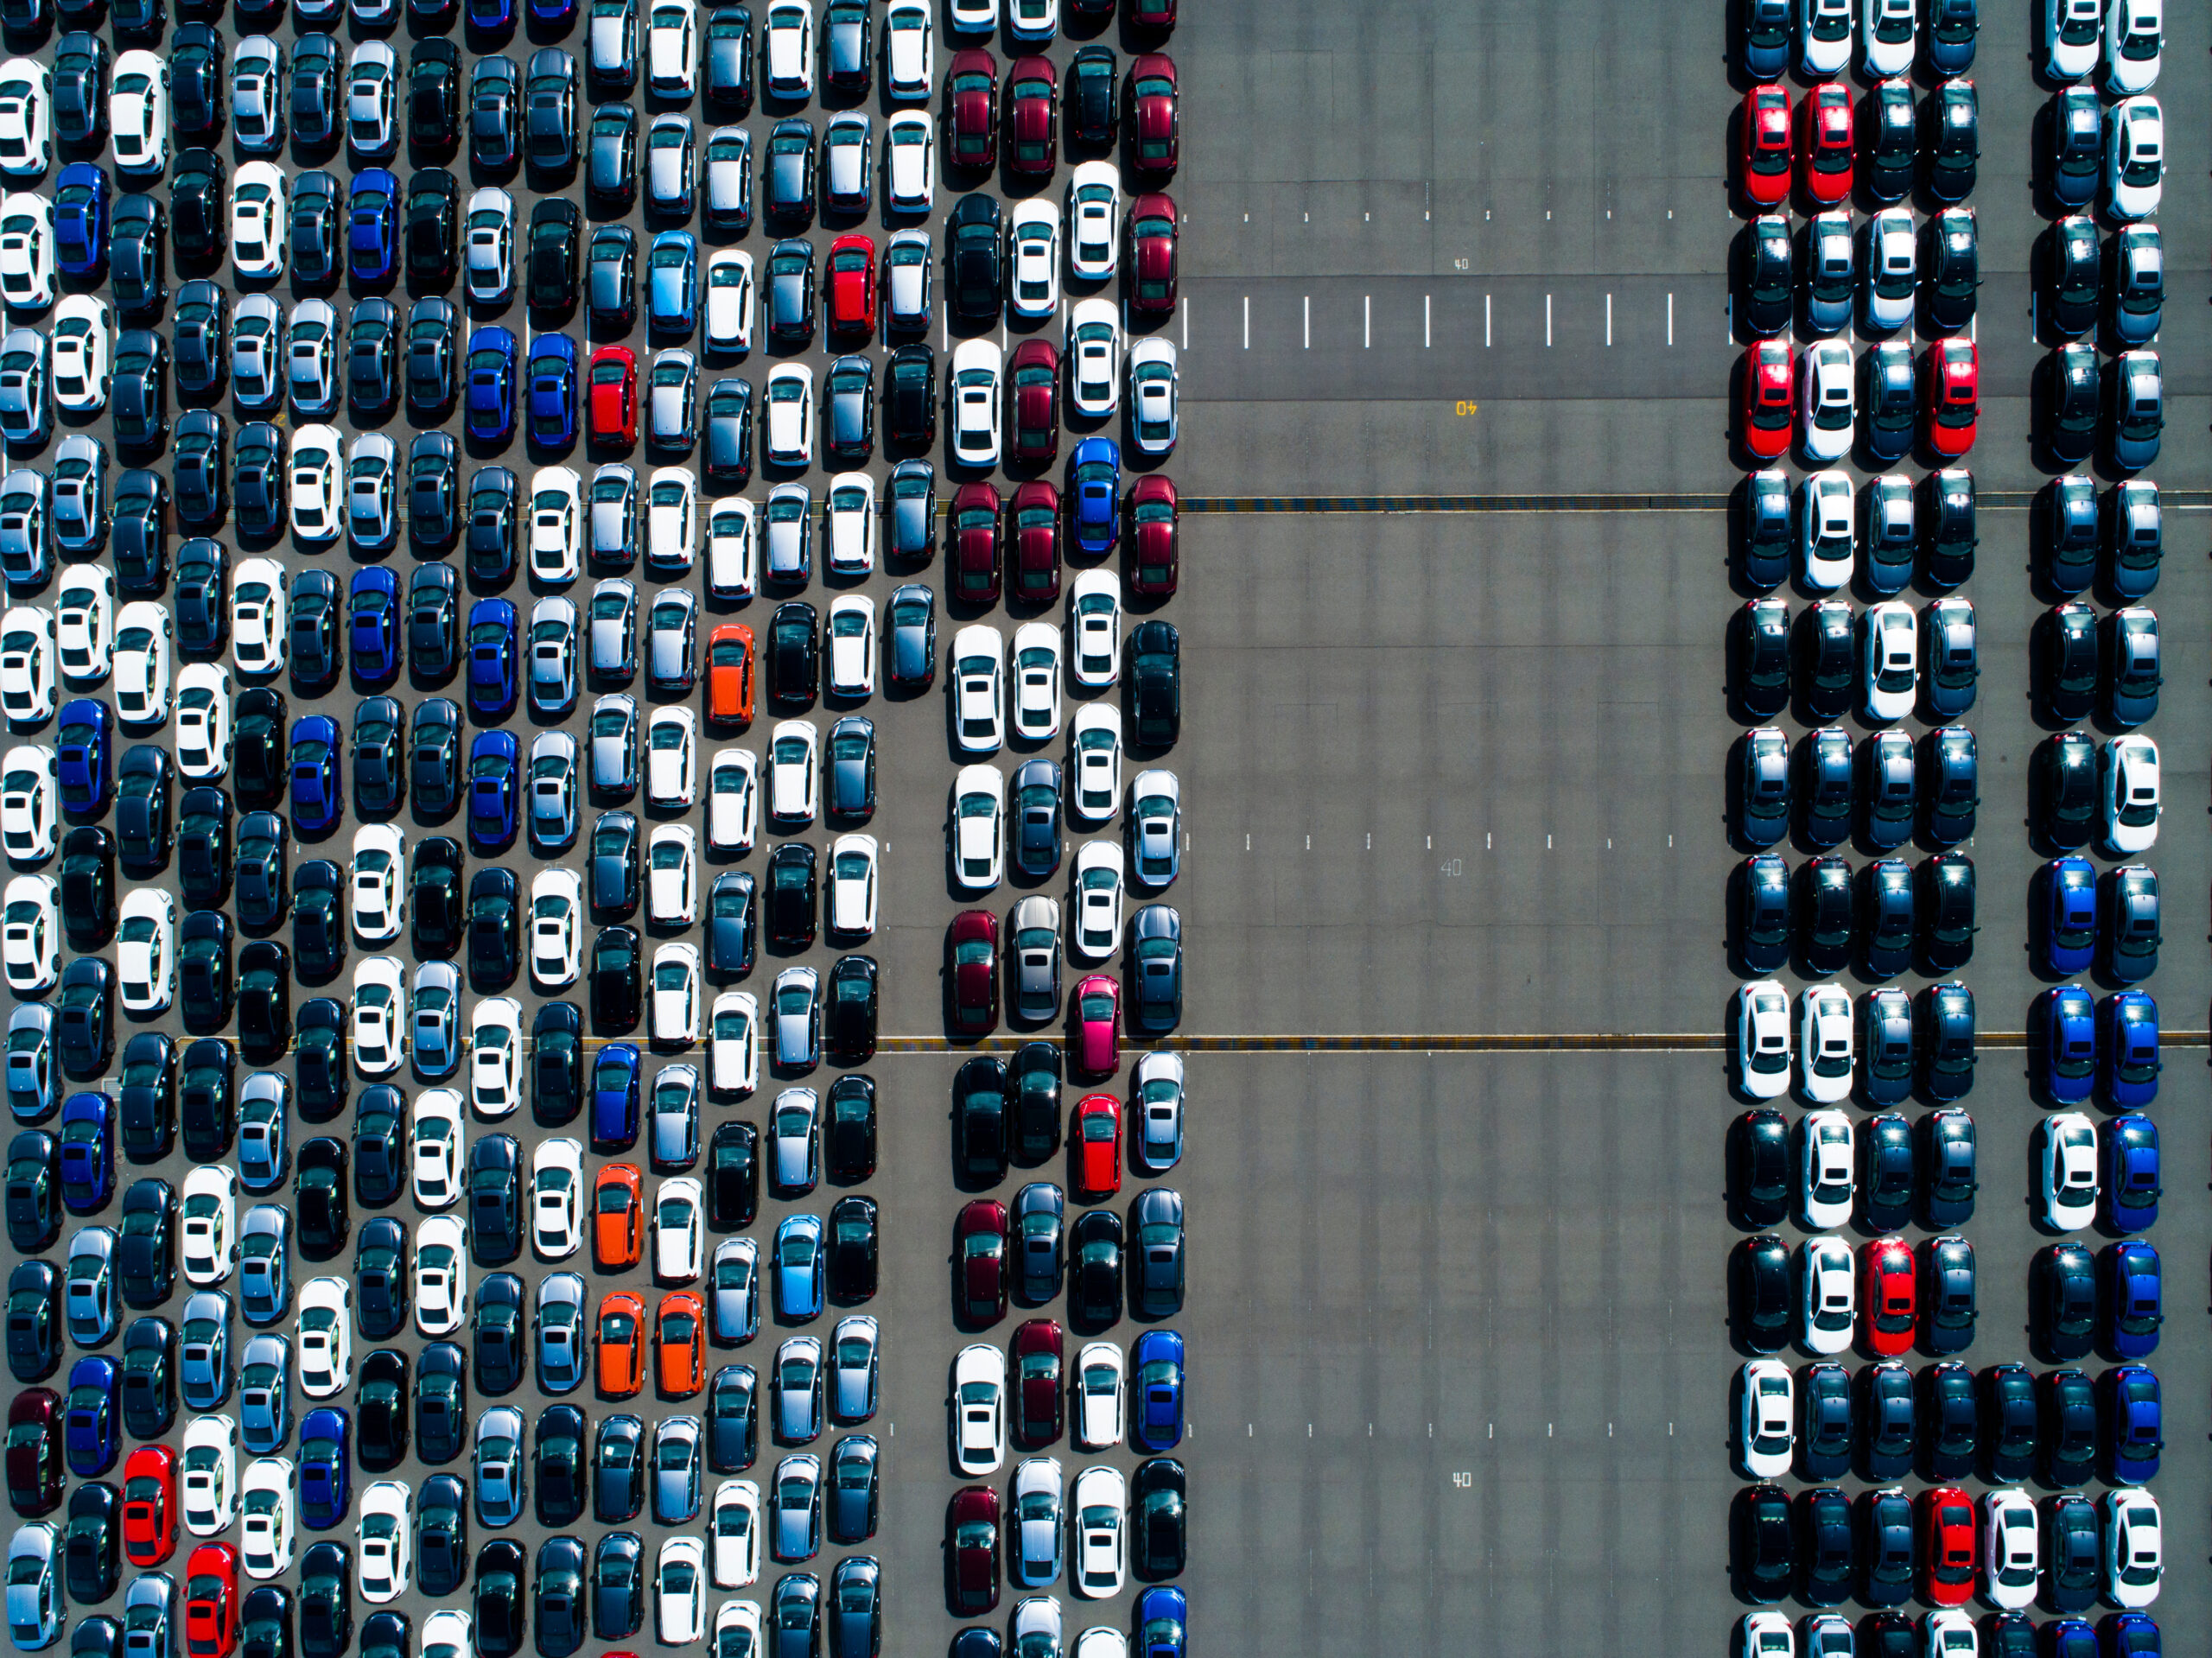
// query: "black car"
[[557, 1596], [1887, 1177], [92, 1545], [1888, 1419], [1764, 912], [2071, 533], [850, 770], [440, 1403], [849, 1132], [1948, 521], [148, 1377], [432, 371], [615, 974], [495, 1217], [1769, 541], [205, 1100], [617, 1588], [433, 221], [196, 81], [434, 96], [319, 920], [433, 756], [1888, 916], [320, 1058], [494, 496], [1950, 1167], [1826, 914], [732, 1176], [2062, 1301], [1827, 1546], [851, 1249], [732, 925], [1158, 1519], [203, 847], [145, 1269], [1825, 1413], [791, 908], [729, 432], [2063, 786], [497, 1333], [1954, 1420], [2071, 398], [441, 1532], [381, 1272], [1763, 1293], [326, 1600], [34, 1191], [1156, 1283], [2008, 1426], [979, 1110], [318, 205], [200, 338], [617, 859], [387, 1634], [495, 97], [1761, 672], [138, 396], [433, 617], [258, 758], [2072, 1558], [203, 970], [617, 1469], [554, 260], [137, 238], [561, 1468], [1889, 140], [321, 1220], [494, 928], [85, 1041], [973, 240], [266, 1623], [2073, 266], [909, 397], [1769, 275], [1954, 140], [794, 666], [1156, 680], [200, 467], [849, 1008], [1766, 1544], [1887, 1534], [732, 1426], [1760, 1171], [1946, 911], [2068, 1426], [381, 1401], [1087, 101], [256, 483], [498, 1602], [380, 1140], [199, 211], [202, 592], [1095, 1270], [314, 91], [82, 64], [556, 1062]]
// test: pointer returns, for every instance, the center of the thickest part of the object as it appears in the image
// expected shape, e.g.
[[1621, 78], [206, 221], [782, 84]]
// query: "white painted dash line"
[[1309, 321], [1486, 320], [1424, 322], [1548, 320], [1186, 325], [1670, 319], [1247, 322], [1366, 321], [1609, 319]]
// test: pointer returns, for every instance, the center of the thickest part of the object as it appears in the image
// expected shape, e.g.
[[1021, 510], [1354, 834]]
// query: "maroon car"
[[979, 1245], [1037, 1395], [1033, 384], [975, 1527], [1033, 524], [975, 546], [971, 97], [1032, 117], [1152, 13], [1152, 254], [34, 1452], [974, 947], [1149, 107], [1153, 539]]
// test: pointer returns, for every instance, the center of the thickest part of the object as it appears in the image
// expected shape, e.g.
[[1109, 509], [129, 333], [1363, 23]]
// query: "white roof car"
[[260, 221], [27, 259], [83, 609], [732, 800], [210, 1495], [441, 1275], [672, 518], [2012, 1562], [1830, 1161], [1890, 639], [1763, 1040], [1094, 622], [978, 826], [1824, 1044], [735, 1528], [672, 48], [2069, 1172], [209, 1234], [1766, 1430], [730, 303], [1828, 404], [2134, 1548], [1831, 1293], [680, 1591], [82, 345], [2070, 28], [1036, 674], [1826, 530], [145, 949], [557, 524], [672, 756], [324, 1340], [733, 1044], [383, 1537], [672, 876], [314, 471], [144, 641], [2127, 767], [1948, 1632], [28, 653], [848, 160], [378, 882], [975, 398], [1152, 394], [789, 397], [1101, 1566], [1886, 36], [908, 30], [267, 1516], [1100, 1382], [849, 642], [2134, 43], [25, 118], [494, 1056], [851, 898], [979, 688], [790, 49], [2135, 151], [379, 1033], [203, 721], [257, 624], [907, 265], [676, 993], [1094, 220], [677, 1217], [1097, 899], [1033, 245], [852, 523], [1094, 756], [909, 161], [138, 112], [1892, 268], [1156, 828], [556, 915], [979, 1409], [732, 557], [794, 771], [30, 795], [488, 264], [437, 1147], [30, 934], [1101, 1641]]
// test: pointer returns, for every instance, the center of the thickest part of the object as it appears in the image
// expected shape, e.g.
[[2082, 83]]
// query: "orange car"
[[729, 675], [621, 1344], [618, 1209], [682, 1338]]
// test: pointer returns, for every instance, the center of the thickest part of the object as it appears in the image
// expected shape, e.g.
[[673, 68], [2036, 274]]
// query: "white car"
[[1100, 1567], [672, 519], [849, 903], [210, 1481], [672, 756], [789, 399], [1035, 21], [30, 934], [1094, 220], [209, 1236], [1892, 280], [557, 524], [795, 1007], [729, 301], [1768, 1635], [2134, 1548], [678, 1207], [676, 994], [378, 1034], [1094, 623], [979, 1409], [1763, 1040], [557, 1184], [203, 721], [852, 526], [1890, 640], [1038, 1500], [441, 1275], [680, 1591], [979, 826], [907, 262], [975, 395], [556, 918], [737, 1628], [258, 621], [2070, 33], [1886, 36], [1823, 36], [1830, 1163], [733, 1044], [1766, 1426], [790, 533], [1828, 407], [789, 53], [488, 265], [2069, 1172], [27, 652], [260, 221], [1948, 1632], [377, 883], [732, 800], [145, 953], [25, 118], [138, 112], [383, 1537], [1033, 246], [1094, 358], [2135, 157], [494, 1056], [979, 688], [672, 49], [2128, 769], [909, 162], [1826, 530], [82, 610], [672, 876], [267, 1516], [909, 61], [1097, 904], [143, 643], [1156, 828], [1831, 1293], [315, 516], [1036, 675], [794, 772], [27, 260], [324, 1338], [2011, 1554], [2133, 42], [30, 794], [735, 1528], [448, 1634], [81, 350], [849, 639], [1095, 757], [732, 553], [1101, 1384], [1824, 1044], [1151, 395], [437, 1147]]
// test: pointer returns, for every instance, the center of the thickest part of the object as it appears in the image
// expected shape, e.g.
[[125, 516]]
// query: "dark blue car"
[[492, 758], [553, 391], [80, 214], [492, 16], [373, 625], [2135, 1424], [87, 1151], [2070, 915], [614, 1098], [493, 683], [2128, 1043], [2129, 1182], [324, 1470], [1158, 1362], [1161, 1621], [318, 793], [86, 753], [2134, 1298], [372, 226], [2129, 1635], [490, 403], [88, 1423], [1095, 493], [2067, 1021], [556, 12], [2068, 1637]]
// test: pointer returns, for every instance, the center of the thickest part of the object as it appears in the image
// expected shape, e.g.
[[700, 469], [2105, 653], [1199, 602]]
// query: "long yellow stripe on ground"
[[1592, 1042]]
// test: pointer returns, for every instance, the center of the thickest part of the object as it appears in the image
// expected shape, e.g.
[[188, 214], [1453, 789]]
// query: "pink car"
[[1098, 1024]]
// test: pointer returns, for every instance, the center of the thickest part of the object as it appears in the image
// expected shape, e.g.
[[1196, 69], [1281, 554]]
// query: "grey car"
[[372, 491], [563, 1349], [265, 1263], [150, 1617], [851, 769], [613, 537], [729, 179], [611, 44], [311, 359], [912, 512], [673, 1123], [790, 169], [795, 1499], [853, 1481], [847, 161], [854, 1356], [794, 1141], [614, 744], [553, 657], [2138, 292], [1831, 266], [265, 1393], [552, 792], [26, 554], [549, 120], [257, 336], [1155, 990], [671, 165], [89, 1291], [80, 494], [733, 1290], [614, 622], [790, 291], [25, 412], [1950, 656], [797, 1390], [676, 1470], [611, 277], [1033, 947], [204, 1350], [670, 637], [2138, 405], [611, 155], [671, 420], [500, 1481], [2132, 664], [1156, 1266], [257, 96], [435, 1012], [1034, 806], [1039, 1227], [850, 408]]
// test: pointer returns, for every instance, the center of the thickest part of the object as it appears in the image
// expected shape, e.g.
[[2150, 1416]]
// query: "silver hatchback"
[[552, 657], [614, 744], [552, 792]]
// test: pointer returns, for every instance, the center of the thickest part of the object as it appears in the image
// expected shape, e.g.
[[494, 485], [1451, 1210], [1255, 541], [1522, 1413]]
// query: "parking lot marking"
[[1366, 321], [1424, 322], [1486, 320], [1309, 321], [1247, 322], [1548, 313], [1609, 319], [1670, 317]]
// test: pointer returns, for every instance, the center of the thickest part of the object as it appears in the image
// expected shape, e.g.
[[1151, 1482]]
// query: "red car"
[[972, 99], [1152, 254], [1038, 1393], [34, 1452], [1096, 1138], [1033, 524], [1766, 146], [614, 396], [1889, 1298], [849, 286], [680, 1339], [1770, 397], [1098, 1024], [1149, 107], [1152, 517], [973, 944], [210, 1601], [979, 1244], [975, 1526], [1032, 117], [975, 572], [1828, 142], [1151, 13], [1032, 383], [1949, 1550], [149, 1505], [1954, 383]]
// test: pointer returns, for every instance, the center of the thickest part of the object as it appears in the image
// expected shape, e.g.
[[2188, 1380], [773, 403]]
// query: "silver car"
[[795, 1531], [794, 1141], [435, 1017], [734, 1289], [729, 178], [614, 625], [671, 164], [499, 1479], [1155, 829], [675, 1469], [552, 792], [88, 1297], [1158, 1092], [1039, 1521], [488, 264], [669, 640], [798, 1019], [847, 161], [911, 514], [797, 1390], [311, 359], [553, 657], [1831, 265], [562, 1345], [909, 268], [26, 413], [611, 44], [258, 95], [671, 424], [373, 492], [854, 1358], [372, 97], [790, 534], [265, 1393], [613, 524], [265, 1263], [257, 341], [614, 744], [203, 1371], [1034, 934], [26, 555], [80, 496]]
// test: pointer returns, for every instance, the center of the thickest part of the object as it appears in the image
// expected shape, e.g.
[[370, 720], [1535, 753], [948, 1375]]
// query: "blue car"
[[2129, 1181], [492, 760], [2070, 915], [2135, 1424], [373, 625], [88, 1424], [325, 1468], [553, 391], [372, 226], [84, 753], [2127, 1043], [2067, 1017], [493, 684], [1094, 493], [672, 283], [796, 1261], [1160, 1622], [2068, 1637], [318, 789], [1158, 1361], [557, 12], [490, 405], [614, 1098], [87, 1151], [2129, 1635], [492, 16], [81, 215], [2134, 1299]]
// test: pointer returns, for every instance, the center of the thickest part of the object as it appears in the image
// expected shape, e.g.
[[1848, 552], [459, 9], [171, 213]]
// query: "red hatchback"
[[1097, 1140], [1032, 117], [1152, 537], [210, 1601], [971, 98], [1888, 1296], [614, 396], [1038, 1353], [1770, 397], [979, 1244], [1828, 142], [849, 287], [1949, 1548], [973, 944], [1766, 145], [1148, 106], [1032, 382], [976, 544], [1953, 382], [149, 1505], [1033, 524], [1152, 254], [975, 1525]]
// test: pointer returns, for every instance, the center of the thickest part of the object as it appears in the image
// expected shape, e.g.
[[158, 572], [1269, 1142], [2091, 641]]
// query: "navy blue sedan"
[[553, 391], [614, 1098], [86, 753], [372, 226], [1094, 494], [2129, 1180], [325, 1459], [2134, 1302], [493, 684], [1158, 1361], [2127, 1041], [1162, 1622], [2069, 914], [490, 403], [88, 1423], [87, 1151], [492, 761], [318, 792], [373, 625], [81, 213], [2068, 1017]]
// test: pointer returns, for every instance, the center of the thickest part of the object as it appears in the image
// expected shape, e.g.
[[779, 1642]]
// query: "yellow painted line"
[[1496, 1042]]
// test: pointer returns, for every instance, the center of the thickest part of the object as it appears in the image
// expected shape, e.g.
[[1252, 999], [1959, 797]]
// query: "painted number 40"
[[1463, 1481]]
